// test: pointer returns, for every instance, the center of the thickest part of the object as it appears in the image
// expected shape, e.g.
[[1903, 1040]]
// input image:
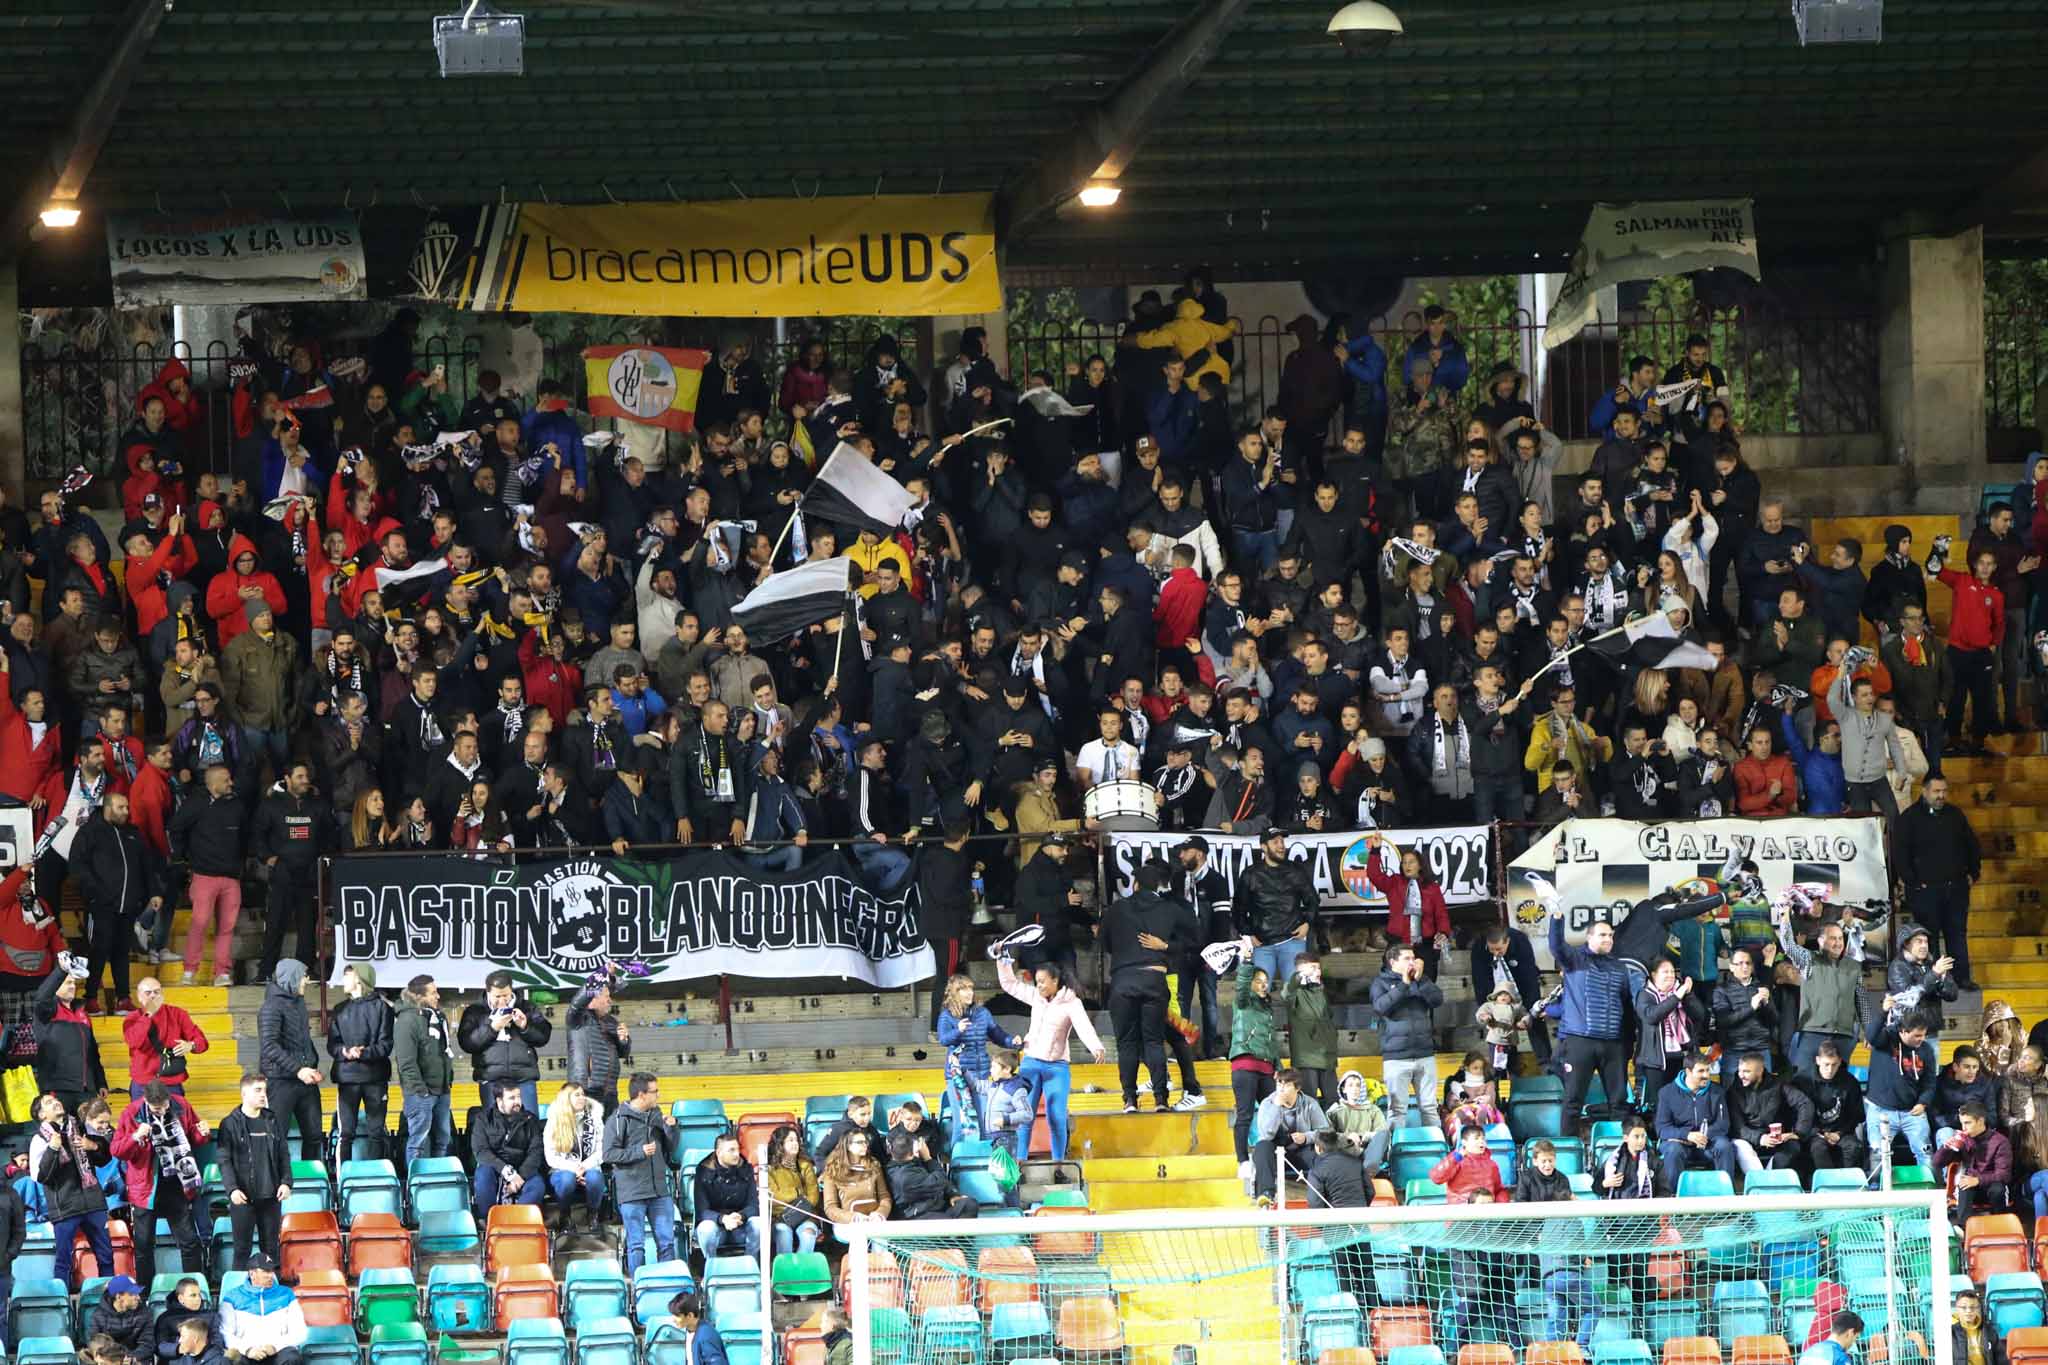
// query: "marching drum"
[[1122, 805]]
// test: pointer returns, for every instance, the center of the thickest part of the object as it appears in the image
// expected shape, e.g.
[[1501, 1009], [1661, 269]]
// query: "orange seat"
[[1082, 1245], [2027, 1345], [1762, 1350], [1393, 1327], [307, 1241], [1992, 1225], [1347, 1355], [1006, 1275], [754, 1130], [525, 1291], [1547, 1353], [938, 1279], [803, 1350], [1382, 1196], [1671, 1273], [1493, 1353], [1090, 1324], [378, 1241], [514, 1234], [1881, 1350], [1996, 1255], [324, 1299], [1692, 1351], [885, 1280]]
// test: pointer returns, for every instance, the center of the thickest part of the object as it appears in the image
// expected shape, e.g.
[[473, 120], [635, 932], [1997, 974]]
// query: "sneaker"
[[156, 957], [95, 1006], [1187, 1104], [224, 979], [1264, 1201], [1144, 1087], [1162, 1109], [1244, 1176], [1130, 1106], [125, 1006]]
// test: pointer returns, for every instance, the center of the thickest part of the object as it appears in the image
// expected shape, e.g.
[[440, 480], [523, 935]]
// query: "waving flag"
[[1651, 641], [850, 490], [795, 598], [656, 385]]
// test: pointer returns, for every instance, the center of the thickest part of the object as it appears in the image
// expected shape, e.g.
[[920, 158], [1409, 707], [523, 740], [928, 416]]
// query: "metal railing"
[[2015, 370]]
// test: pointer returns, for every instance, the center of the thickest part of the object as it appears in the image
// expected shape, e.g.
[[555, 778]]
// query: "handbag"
[[798, 1212]]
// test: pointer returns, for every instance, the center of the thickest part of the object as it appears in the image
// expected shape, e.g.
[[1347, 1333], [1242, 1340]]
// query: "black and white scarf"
[[1174, 783], [1034, 669], [1606, 600], [1524, 600], [713, 758], [1441, 748], [602, 758], [513, 718], [430, 728], [342, 679], [1140, 726], [173, 1151]]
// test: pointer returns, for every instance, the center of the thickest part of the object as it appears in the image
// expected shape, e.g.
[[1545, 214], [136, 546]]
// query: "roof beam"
[[2021, 193], [73, 152], [1108, 136]]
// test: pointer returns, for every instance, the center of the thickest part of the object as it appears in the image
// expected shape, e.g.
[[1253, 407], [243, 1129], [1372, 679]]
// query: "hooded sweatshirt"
[[287, 1037], [224, 601]]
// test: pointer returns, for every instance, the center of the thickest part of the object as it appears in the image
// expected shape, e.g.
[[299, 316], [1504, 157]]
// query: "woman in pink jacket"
[[1056, 1015]]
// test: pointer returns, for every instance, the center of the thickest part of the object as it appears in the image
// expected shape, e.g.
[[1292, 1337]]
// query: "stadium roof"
[[1253, 142]]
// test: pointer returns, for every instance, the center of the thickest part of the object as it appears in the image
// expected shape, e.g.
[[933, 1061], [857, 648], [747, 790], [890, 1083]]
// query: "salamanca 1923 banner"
[[551, 922]]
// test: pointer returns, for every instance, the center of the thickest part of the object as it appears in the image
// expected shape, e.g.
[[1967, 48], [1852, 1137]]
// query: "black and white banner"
[[235, 258], [1460, 857], [1602, 868], [1645, 242], [552, 922]]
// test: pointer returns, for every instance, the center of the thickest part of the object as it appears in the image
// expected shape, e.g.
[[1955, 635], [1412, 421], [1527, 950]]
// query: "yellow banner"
[[893, 254]]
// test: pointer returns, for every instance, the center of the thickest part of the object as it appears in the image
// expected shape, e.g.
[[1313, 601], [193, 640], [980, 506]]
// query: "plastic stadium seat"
[[1693, 1350], [754, 1131], [1089, 1325], [310, 1178], [1570, 1152], [536, 1341], [1839, 1178], [593, 1291], [445, 1233], [1396, 1327], [524, 1291], [1073, 1245], [1692, 1184], [56, 1350], [1916, 1352], [801, 1275], [2027, 1346], [437, 1184], [330, 1346], [324, 1299], [378, 1241], [308, 1241], [514, 1234], [1420, 1354], [1383, 1192], [368, 1187], [1624, 1351], [399, 1343], [1347, 1355], [1004, 1275], [1486, 1353], [952, 1332], [938, 1280], [1760, 1182], [1554, 1353], [606, 1341], [458, 1298], [1019, 1329], [2013, 1300], [1742, 1308], [654, 1284], [885, 1280], [1768, 1349], [387, 1295]]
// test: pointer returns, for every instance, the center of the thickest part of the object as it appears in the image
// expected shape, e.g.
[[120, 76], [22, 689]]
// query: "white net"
[[1605, 1282]]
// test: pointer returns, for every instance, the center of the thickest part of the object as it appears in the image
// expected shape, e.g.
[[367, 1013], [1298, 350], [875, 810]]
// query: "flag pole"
[[846, 619], [1603, 635], [787, 522]]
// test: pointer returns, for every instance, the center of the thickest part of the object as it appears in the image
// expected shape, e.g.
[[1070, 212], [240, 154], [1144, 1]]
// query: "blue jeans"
[[66, 1231], [885, 865], [1055, 1081], [1572, 1313], [805, 1238], [566, 1183], [1199, 980], [429, 1127], [1913, 1127], [1277, 959], [635, 1214], [488, 1193], [713, 1235], [1256, 548], [2037, 1189], [274, 745], [777, 859]]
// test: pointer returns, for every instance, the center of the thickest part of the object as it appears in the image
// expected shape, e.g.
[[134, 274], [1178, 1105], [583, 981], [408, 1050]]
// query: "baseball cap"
[[123, 1284], [152, 500], [1195, 842], [1272, 832]]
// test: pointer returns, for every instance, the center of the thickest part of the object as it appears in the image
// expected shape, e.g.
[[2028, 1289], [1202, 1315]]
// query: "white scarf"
[[1442, 750], [1033, 668], [1604, 602], [1140, 726]]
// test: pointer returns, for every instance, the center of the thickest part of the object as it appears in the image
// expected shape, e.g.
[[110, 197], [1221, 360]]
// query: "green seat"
[[884, 1103], [1422, 1190], [1914, 1177], [801, 1275], [387, 1296], [1065, 1199]]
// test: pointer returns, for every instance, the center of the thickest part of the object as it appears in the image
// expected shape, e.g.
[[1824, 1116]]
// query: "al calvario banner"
[[1459, 856], [234, 258], [551, 922], [1603, 868], [910, 254], [1646, 241]]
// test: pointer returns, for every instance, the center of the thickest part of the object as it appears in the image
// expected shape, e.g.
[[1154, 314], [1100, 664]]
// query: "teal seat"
[[368, 1187], [330, 1344], [1017, 1330], [823, 1106], [1422, 1190], [1664, 1319], [534, 1341], [1416, 1355], [1839, 1178], [39, 1308], [745, 1333], [1742, 1308], [593, 1291], [607, 1341], [1772, 1182], [723, 1269], [404, 1343], [952, 1332], [1582, 1185], [56, 1350], [654, 1284], [1626, 1351], [884, 1103], [1570, 1152], [890, 1330], [1693, 1184], [458, 1298], [450, 1232], [2013, 1299]]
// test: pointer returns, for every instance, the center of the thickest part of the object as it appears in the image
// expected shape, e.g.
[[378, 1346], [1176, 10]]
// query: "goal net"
[[1714, 1280]]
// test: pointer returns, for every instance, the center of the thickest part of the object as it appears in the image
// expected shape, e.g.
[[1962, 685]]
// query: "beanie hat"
[[254, 608], [1894, 536]]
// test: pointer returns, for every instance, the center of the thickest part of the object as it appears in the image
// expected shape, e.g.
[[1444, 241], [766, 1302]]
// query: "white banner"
[[1460, 857], [235, 258], [1603, 868], [1648, 241]]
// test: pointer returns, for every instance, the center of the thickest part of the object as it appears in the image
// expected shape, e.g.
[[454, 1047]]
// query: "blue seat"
[[402, 1343], [1625, 1351], [654, 1284], [725, 1298], [746, 1334], [817, 1106], [91, 1292], [1582, 1185], [1500, 1145], [532, 1341], [951, 1331], [1760, 1182], [607, 1341], [451, 1231], [1871, 1299], [2013, 1299], [1019, 1330], [437, 1184], [38, 1308], [1664, 1319], [331, 1344], [1570, 1153], [593, 1291], [368, 1187], [1698, 1183], [458, 1298], [54, 1350], [723, 1268], [1839, 1178], [1742, 1308], [1416, 1355]]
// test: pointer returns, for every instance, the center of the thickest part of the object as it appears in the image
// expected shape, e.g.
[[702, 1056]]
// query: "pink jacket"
[[1053, 1022]]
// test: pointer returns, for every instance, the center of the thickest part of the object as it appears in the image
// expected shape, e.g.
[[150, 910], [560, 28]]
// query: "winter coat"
[[968, 1037], [595, 1049], [210, 832], [1272, 902], [1407, 1012], [255, 1156], [510, 1057], [148, 1035], [1743, 1027], [1931, 847], [865, 1191], [1753, 1109], [131, 1329], [501, 1141], [366, 1023], [420, 1048], [138, 1154], [260, 677], [1252, 1032], [638, 1176], [117, 873], [287, 1036], [1988, 1156], [1464, 1176], [1681, 1110], [1900, 1077], [67, 1054], [1596, 988], [1311, 1029], [224, 602]]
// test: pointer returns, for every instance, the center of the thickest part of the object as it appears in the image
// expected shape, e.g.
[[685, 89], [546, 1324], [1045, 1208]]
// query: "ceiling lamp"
[[60, 214], [1365, 26], [1100, 194]]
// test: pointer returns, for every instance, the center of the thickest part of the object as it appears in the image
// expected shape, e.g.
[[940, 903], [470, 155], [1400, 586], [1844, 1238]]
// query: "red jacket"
[[1178, 611], [26, 768], [548, 683], [28, 948], [1464, 1176], [147, 1035], [224, 594], [177, 416], [1436, 919], [355, 533], [149, 805], [117, 770], [1753, 786], [175, 555], [1977, 621], [137, 1156]]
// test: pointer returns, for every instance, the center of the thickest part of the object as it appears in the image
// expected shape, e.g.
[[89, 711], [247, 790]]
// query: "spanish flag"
[[652, 384]]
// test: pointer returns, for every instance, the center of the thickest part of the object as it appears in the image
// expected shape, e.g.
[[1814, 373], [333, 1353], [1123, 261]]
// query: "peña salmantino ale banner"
[[552, 921], [887, 254]]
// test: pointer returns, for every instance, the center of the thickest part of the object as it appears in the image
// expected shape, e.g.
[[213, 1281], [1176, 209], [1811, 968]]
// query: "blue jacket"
[[597, 599], [1900, 1077], [1838, 594], [537, 428], [1681, 1111], [637, 713], [969, 1037], [1088, 508], [1011, 1099], [1596, 988], [1451, 372], [273, 475], [1605, 411], [710, 1347], [1367, 364], [1175, 420], [1821, 783], [771, 810]]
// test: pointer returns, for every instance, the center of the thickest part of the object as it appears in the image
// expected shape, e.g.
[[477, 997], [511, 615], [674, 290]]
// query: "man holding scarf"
[[1440, 745], [155, 1139], [705, 777]]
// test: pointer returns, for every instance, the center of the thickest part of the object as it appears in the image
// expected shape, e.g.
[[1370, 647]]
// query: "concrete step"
[[2000, 769]]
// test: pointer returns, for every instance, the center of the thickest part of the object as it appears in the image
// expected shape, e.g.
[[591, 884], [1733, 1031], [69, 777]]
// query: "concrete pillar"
[[1930, 367], [13, 424]]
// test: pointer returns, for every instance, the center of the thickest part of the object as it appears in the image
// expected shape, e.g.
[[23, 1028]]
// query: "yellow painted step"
[[1163, 1168], [1226, 1317], [1988, 819], [1124, 1196], [1991, 973], [1991, 791]]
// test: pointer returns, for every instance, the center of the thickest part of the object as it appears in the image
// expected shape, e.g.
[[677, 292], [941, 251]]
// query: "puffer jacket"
[[1252, 1033], [512, 1140], [282, 1025], [366, 1023], [1596, 988], [595, 1050], [1407, 1012], [919, 1190], [1742, 1026], [787, 1185], [1272, 902], [67, 1053], [510, 1059], [637, 1176], [724, 1189]]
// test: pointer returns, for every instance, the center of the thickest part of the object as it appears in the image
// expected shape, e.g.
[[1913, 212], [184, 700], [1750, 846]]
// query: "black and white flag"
[[1651, 641], [795, 598], [851, 491]]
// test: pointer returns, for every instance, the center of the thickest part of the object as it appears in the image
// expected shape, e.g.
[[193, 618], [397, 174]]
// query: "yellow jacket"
[[871, 557], [1188, 333], [1582, 749], [1037, 813]]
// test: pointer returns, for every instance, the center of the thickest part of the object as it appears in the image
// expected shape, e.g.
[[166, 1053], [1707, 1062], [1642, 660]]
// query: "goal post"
[[1731, 1280]]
